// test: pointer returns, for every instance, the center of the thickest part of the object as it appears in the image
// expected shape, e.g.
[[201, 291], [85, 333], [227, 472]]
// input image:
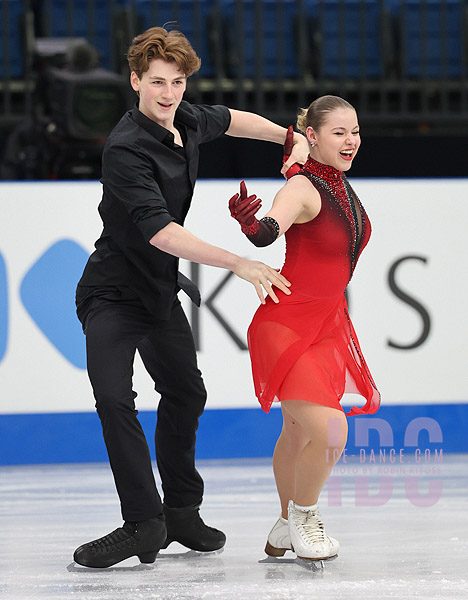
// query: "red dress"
[[305, 347]]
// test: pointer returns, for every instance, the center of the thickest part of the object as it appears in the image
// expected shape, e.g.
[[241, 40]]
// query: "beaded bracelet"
[[273, 222]]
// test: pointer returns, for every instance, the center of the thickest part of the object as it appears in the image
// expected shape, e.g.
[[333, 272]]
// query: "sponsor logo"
[[47, 292]]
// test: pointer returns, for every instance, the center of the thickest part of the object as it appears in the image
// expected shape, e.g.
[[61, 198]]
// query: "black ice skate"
[[184, 525], [143, 539]]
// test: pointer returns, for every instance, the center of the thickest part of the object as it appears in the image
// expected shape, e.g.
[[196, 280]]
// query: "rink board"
[[396, 435], [407, 301]]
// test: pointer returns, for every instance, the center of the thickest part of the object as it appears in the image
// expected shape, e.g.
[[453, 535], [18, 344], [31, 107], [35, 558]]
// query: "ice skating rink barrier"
[[407, 300]]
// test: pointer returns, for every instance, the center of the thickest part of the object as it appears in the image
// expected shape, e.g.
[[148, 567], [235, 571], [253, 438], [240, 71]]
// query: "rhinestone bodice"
[[338, 189]]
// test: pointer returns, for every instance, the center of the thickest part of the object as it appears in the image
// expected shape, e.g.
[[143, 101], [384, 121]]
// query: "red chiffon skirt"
[[307, 349]]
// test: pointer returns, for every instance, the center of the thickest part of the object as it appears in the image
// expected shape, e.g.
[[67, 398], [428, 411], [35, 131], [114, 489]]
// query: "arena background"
[[407, 300]]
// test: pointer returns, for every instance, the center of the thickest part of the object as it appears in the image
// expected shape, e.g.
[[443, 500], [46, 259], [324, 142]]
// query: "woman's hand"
[[243, 208]]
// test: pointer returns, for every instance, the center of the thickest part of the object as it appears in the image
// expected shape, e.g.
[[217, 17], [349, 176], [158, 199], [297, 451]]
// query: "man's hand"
[[262, 277], [295, 153], [288, 143], [243, 208]]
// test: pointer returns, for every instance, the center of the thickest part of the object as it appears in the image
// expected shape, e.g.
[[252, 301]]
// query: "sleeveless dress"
[[305, 347]]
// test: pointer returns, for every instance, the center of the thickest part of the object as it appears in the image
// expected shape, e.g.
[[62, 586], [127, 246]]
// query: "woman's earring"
[[312, 144]]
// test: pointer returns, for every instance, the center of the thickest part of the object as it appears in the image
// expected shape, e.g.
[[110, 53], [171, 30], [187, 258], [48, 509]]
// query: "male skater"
[[127, 297]]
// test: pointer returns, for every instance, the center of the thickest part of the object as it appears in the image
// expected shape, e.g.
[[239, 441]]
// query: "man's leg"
[[169, 356], [112, 334]]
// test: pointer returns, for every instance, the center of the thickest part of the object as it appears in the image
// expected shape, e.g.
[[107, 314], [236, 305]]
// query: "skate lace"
[[312, 529], [117, 540]]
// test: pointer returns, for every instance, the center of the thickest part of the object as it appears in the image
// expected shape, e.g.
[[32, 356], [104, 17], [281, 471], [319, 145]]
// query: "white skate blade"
[[314, 564], [277, 560], [310, 565]]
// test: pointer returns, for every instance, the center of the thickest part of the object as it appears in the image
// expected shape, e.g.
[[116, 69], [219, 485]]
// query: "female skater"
[[304, 350]]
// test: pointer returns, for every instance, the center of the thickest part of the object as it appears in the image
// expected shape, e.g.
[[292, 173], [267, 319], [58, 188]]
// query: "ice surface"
[[390, 548]]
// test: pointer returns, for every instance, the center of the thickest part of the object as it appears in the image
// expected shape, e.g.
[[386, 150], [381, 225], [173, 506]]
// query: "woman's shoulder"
[[302, 179], [304, 191], [300, 183]]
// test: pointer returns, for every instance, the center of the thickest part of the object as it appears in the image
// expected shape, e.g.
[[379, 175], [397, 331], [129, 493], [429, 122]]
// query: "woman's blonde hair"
[[157, 42], [316, 114]]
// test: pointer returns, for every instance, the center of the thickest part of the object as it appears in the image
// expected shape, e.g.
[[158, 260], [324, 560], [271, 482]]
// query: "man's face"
[[161, 89]]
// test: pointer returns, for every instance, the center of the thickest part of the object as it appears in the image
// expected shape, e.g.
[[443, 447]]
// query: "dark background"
[[413, 112], [379, 156]]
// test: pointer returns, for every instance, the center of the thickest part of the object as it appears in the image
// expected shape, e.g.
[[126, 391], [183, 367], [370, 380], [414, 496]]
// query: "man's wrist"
[[234, 263], [298, 137]]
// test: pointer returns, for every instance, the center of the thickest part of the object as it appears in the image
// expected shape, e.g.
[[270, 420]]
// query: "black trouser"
[[113, 332]]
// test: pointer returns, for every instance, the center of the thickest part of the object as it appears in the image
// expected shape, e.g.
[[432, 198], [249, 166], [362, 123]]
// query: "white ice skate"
[[307, 534], [278, 539]]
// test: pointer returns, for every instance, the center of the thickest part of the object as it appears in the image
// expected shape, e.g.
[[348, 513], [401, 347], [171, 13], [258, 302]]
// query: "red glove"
[[287, 149], [243, 209]]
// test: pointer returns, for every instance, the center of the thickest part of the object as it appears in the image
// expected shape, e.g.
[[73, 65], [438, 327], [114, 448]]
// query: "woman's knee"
[[337, 428], [319, 423], [292, 433]]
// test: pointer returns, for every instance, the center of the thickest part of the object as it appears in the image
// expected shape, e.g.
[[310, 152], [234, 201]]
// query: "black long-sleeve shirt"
[[148, 182]]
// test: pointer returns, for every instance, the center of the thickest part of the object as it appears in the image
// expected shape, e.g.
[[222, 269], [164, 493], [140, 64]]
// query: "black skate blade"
[[74, 567], [189, 554]]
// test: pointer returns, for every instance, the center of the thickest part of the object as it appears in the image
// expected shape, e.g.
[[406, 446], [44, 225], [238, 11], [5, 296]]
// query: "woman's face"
[[337, 141]]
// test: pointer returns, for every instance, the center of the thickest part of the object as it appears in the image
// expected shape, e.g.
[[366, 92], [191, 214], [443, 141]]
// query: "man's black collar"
[[183, 115]]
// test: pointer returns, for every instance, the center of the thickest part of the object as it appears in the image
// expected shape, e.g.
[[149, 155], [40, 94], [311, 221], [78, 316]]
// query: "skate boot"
[[307, 533], [184, 525], [278, 539], [143, 539]]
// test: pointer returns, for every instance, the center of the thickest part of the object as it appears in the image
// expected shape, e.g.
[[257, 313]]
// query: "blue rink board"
[[234, 433]]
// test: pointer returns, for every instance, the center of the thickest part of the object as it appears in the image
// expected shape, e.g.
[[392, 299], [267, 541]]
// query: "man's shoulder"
[[123, 143], [128, 135], [126, 128], [188, 113], [193, 114]]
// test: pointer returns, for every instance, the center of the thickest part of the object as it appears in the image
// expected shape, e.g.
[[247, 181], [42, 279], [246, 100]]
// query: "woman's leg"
[[326, 430], [288, 449], [311, 442]]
